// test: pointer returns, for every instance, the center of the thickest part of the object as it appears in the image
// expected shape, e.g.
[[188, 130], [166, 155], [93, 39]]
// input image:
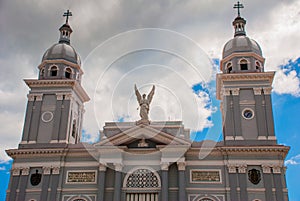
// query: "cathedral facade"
[[149, 160]]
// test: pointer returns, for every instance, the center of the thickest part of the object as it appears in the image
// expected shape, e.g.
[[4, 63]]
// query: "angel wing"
[[150, 95], [137, 93]]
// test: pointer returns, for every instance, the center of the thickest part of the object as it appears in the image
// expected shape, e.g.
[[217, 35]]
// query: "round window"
[[248, 113]]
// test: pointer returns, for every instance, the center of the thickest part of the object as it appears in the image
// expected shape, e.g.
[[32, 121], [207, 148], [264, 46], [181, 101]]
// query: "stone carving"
[[81, 177], [254, 176], [144, 104], [36, 178], [205, 176]]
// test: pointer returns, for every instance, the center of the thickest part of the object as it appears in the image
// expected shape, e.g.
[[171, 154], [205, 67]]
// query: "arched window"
[[258, 66], [229, 67], [244, 64], [53, 71], [142, 184], [68, 73], [42, 72]]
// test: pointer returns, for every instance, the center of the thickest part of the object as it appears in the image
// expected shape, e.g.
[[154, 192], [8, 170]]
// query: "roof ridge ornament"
[[67, 15], [237, 6]]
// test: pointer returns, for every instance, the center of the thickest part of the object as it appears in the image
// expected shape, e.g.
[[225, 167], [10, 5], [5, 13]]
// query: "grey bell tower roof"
[[240, 43], [63, 49]]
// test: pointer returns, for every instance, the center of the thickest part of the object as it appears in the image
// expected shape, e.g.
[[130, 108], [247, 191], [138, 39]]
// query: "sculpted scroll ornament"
[[144, 104]]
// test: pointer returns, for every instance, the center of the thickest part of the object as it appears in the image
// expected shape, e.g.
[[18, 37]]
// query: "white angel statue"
[[144, 103]]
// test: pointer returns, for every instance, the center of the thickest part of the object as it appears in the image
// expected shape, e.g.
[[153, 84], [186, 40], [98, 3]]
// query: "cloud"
[[27, 35], [295, 160], [2, 168], [287, 78]]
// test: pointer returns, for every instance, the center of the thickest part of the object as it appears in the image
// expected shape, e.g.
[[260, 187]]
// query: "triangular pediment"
[[142, 132]]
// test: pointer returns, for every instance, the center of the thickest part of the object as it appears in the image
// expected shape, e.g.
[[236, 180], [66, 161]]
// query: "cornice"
[[34, 83], [260, 76]]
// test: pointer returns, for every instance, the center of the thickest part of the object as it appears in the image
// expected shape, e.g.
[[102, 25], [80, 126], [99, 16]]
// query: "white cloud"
[[287, 82], [2, 168], [295, 160], [23, 43]]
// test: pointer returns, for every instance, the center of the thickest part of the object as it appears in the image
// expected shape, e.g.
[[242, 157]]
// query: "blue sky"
[[198, 29]]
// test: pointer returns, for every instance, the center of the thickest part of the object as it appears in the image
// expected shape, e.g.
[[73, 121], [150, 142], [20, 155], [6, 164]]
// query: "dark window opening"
[[68, 73], [53, 72], [244, 66], [229, 70]]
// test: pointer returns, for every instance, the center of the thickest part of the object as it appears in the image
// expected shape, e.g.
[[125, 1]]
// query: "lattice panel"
[[142, 178]]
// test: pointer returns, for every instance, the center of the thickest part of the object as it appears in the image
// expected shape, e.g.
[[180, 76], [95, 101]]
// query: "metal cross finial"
[[238, 6], [67, 14]]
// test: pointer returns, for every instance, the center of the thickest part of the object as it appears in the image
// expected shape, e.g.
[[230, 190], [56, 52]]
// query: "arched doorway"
[[142, 184]]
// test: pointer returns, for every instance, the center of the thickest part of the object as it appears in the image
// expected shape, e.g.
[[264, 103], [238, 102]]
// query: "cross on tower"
[[67, 14], [238, 6]]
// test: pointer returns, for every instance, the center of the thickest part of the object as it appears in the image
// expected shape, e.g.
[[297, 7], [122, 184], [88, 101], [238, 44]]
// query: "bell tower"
[[55, 100], [244, 89]]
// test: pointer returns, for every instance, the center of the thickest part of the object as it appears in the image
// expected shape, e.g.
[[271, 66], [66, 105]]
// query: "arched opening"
[[229, 68], [142, 184], [68, 73], [42, 72], [53, 71], [244, 64], [258, 66]]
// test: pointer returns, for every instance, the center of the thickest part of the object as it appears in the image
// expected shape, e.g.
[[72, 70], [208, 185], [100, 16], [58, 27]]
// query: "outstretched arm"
[[150, 95]]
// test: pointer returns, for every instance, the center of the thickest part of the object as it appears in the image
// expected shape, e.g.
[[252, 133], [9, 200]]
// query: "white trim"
[[47, 120], [206, 182], [253, 113]]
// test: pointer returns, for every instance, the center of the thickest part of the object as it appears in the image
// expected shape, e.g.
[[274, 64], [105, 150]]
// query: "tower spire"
[[65, 29], [239, 22]]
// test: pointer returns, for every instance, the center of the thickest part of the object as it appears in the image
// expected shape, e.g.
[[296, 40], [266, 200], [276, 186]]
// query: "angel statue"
[[144, 104]]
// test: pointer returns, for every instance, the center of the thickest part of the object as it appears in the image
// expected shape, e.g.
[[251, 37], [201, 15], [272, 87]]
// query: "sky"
[[174, 44]]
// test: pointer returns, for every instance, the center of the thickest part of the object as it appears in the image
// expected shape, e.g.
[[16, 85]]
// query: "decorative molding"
[[68, 96], [59, 96], [35, 97], [235, 91], [55, 170], [25, 171], [272, 138], [276, 169], [242, 168], [267, 90], [231, 168], [118, 167], [266, 168], [164, 166], [257, 90], [46, 170], [225, 92], [181, 166], [15, 171], [102, 167], [207, 176]]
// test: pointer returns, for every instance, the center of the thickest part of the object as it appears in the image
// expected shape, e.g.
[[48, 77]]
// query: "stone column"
[[14, 184], [23, 183], [57, 116], [35, 121], [181, 181], [237, 113], [243, 181], [232, 182], [45, 184], [118, 182], [278, 182], [54, 183], [267, 181], [269, 113], [164, 182], [101, 182], [260, 114], [28, 118]]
